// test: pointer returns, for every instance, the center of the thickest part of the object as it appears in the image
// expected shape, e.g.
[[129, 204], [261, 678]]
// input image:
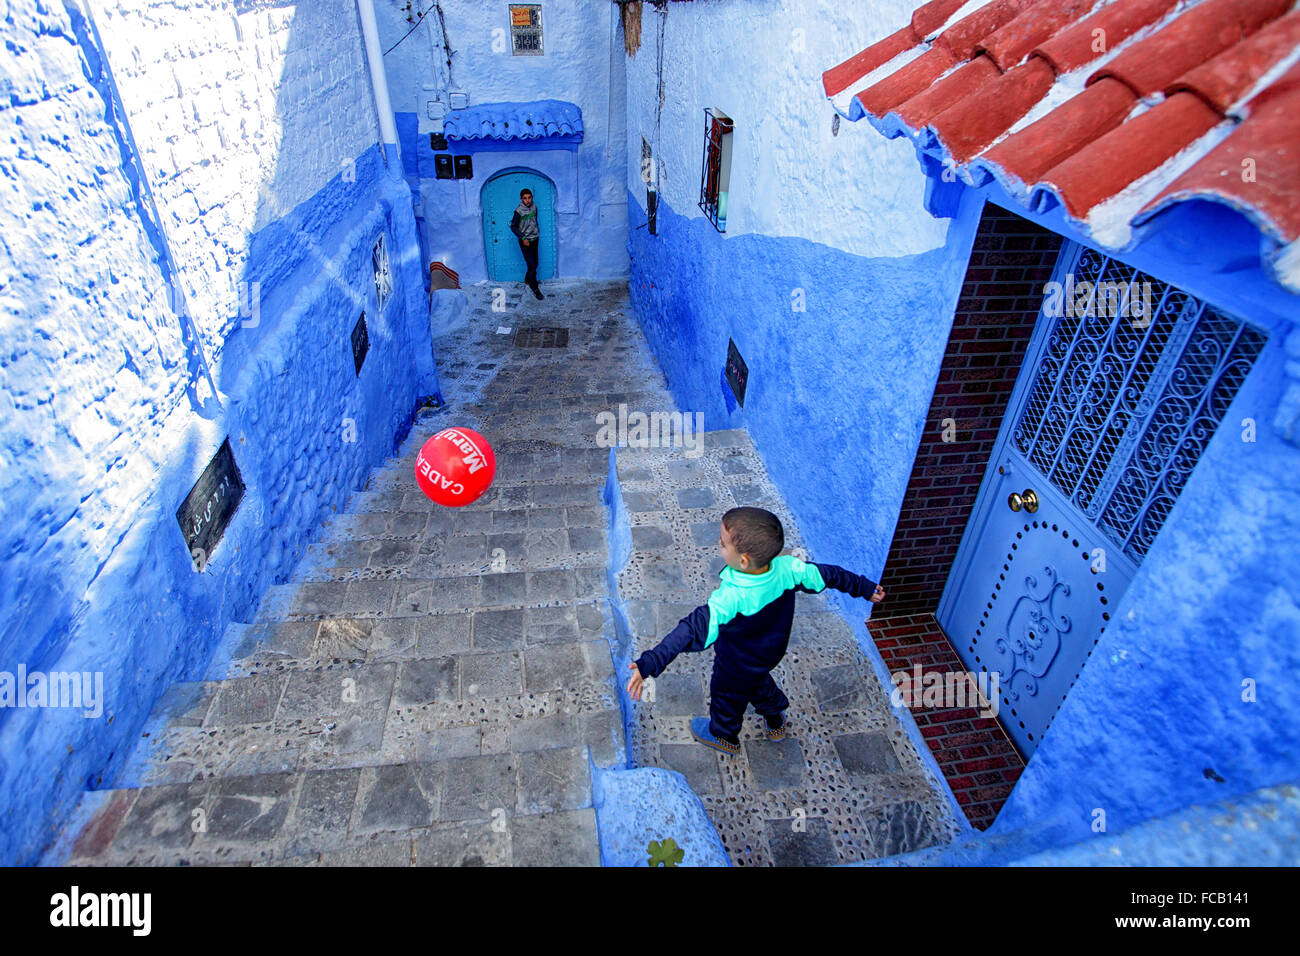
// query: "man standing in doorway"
[[524, 226]]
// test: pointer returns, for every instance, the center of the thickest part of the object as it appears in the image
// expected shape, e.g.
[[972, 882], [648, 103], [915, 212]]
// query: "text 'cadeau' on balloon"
[[455, 467]]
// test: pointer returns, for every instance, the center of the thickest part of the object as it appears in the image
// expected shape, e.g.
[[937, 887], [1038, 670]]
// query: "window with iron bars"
[[526, 29], [715, 177]]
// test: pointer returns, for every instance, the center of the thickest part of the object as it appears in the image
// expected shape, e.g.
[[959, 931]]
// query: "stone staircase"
[[437, 686]]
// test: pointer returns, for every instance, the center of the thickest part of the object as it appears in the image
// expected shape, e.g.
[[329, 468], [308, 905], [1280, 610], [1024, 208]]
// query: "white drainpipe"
[[379, 83]]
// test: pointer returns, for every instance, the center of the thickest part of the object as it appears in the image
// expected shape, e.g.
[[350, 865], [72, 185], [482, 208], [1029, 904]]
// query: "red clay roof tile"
[[962, 37], [1254, 169], [973, 123], [840, 78], [911, 79], [1191, 63], [1105, 30], [930, 17], [1230, 75], [1010, 44], [1130, 151], [1032, 151], [926, 19], [958, 84], [1189, 40]]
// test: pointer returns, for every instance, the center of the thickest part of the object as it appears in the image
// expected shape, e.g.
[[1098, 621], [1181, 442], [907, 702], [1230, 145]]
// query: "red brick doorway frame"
[[1010, 262]]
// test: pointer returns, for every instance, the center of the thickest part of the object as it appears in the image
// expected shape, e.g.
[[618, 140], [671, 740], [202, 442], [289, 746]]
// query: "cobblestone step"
[[398, 494], [534, 550], [408, 597], [297, 715], [525, 809], [548, 473], [460, 631], [572, 395]]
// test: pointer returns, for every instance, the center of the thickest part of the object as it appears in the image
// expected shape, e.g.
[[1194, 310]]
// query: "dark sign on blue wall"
[[211, 503], [360, 343], [737, 372]]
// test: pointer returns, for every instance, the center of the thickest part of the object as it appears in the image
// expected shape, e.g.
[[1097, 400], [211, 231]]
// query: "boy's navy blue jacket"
[[749, 618]]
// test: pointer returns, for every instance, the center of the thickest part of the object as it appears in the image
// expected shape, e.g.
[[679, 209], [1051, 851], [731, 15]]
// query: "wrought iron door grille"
[[1135, 378]]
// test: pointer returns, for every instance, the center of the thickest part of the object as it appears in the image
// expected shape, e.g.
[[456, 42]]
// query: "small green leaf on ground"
[[667, 853]]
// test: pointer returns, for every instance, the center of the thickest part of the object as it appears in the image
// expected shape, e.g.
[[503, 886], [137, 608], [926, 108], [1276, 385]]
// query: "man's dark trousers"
[[530, 259]]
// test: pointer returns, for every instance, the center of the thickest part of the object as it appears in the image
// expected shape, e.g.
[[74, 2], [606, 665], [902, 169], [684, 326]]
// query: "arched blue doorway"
[[499, 197]]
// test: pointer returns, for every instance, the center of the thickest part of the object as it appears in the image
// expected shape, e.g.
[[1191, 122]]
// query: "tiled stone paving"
[[848, 784], [978, 760], [434, 685]]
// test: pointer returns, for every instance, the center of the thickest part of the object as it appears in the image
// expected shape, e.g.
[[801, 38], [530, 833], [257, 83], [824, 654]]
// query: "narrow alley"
[[994, 304], [436, 685]]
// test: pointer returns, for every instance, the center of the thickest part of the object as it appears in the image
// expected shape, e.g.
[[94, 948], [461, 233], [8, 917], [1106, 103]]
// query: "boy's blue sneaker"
[[700, 731]]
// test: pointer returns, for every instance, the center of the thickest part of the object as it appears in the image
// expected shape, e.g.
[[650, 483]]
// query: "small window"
[[526, 29], [715, 178], [383, 277], [647, 165]]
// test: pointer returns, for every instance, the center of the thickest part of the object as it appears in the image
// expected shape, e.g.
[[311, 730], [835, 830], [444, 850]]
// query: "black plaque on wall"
[[464, 167], [360, 343], [737, 372], [442, 166], [437, 141], [211, 503]]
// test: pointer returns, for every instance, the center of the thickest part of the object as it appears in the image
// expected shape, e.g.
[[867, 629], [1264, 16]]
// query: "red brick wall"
[[1011, 260]]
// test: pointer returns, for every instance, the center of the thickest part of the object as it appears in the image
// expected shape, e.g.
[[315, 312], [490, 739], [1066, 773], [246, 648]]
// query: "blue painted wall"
[[835, 404], [843, 352], [304, 427]]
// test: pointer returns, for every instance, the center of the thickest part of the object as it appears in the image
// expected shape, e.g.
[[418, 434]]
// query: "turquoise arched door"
[[499, 198]]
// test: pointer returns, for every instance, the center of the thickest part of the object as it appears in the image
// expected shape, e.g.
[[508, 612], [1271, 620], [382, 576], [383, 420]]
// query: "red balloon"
[[455, 467]]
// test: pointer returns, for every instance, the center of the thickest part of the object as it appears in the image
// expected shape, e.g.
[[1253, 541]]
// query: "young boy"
[[524, 225], [748, 618]]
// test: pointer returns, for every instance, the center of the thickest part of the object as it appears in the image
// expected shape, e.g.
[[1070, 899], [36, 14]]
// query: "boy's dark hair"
[[525, 192], [755, 532]]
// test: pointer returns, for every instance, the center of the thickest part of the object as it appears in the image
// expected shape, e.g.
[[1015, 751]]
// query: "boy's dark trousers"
[[727, 706], [530, 259]]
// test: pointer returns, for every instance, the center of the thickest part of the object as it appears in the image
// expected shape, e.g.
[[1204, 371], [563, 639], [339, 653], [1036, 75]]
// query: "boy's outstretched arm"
[[819, 577], [690, 634]]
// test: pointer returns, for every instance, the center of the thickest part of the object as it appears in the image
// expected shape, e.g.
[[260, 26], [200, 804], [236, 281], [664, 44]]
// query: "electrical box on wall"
[[464, 167], [442, 166], [437, 141]]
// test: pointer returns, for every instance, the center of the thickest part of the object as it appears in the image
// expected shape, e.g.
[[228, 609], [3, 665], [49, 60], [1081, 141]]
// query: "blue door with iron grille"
[[1124, 383], [499, 198]]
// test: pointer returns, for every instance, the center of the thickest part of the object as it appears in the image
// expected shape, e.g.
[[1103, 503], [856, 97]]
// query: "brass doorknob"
[[1027, 500]]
